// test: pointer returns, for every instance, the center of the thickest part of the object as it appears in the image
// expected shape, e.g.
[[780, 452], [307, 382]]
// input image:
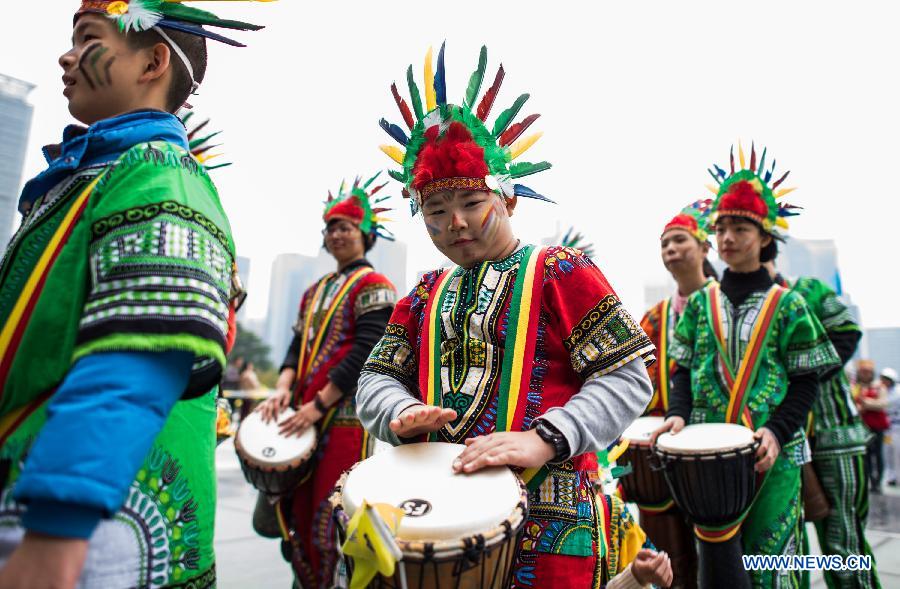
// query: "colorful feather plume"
[[394, 131], [440, 79], [476, 79], [404, 108], [200, 147], [487, 101], [506, 117], [515, 131]]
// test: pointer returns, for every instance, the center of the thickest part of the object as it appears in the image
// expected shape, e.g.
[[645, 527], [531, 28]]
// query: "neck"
[[509, 248], [341, 264], [690, 282], [746, 267]]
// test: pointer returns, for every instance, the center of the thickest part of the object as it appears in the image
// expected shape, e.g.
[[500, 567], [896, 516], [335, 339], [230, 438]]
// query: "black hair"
[[193, 46], [709, 271]]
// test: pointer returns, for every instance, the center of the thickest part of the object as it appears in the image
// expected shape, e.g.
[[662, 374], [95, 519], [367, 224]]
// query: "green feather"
[[507, 116], [189, 14], [370, 180], [202, 140], [522, 169], [476, 79], [414, 95], [398, 176]]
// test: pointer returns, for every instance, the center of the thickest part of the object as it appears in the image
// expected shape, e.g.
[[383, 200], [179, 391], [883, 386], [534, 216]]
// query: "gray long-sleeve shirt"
[[591, 420]]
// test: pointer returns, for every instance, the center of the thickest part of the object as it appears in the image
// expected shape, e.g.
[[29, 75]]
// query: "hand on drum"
[[672, 424], [768, 449], [652, 568], [274, 405], [421, 419], [525, 449], [297, 423]]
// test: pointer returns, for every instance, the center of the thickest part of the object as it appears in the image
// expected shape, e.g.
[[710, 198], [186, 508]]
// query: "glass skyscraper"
[[15, 123]]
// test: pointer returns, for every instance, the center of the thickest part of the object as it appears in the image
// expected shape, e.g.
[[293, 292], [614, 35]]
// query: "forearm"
[[100, 426], [792, 414], [292, 356], [625, 580], [380, 399], [680, 399], [286, 379], [369, 329], [596, 415]]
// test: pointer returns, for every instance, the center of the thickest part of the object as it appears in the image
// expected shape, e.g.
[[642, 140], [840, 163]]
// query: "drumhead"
[[261, 443], [439, 504], [640, 429], [706, 438]]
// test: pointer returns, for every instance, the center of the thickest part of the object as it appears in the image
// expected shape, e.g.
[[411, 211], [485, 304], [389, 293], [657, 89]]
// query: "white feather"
[[142, 15]]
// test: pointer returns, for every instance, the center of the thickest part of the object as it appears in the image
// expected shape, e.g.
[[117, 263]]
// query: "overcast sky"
[[637, 100]]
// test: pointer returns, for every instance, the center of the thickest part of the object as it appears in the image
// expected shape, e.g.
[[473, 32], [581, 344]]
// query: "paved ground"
[[246, 561]]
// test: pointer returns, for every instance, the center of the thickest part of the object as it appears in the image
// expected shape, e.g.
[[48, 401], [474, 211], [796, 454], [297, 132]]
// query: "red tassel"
[[404, 109], [484, 107], [515, 131]]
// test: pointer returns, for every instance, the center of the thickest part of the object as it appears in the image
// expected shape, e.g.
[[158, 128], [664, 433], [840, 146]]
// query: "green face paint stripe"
[[94, 59], [84, 55]]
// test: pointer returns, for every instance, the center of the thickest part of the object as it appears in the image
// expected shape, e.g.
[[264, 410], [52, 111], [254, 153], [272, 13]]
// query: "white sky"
[[637, 100]]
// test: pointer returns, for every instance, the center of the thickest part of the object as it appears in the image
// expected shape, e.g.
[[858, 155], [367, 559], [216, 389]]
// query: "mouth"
[[68, 83], [462, 242]]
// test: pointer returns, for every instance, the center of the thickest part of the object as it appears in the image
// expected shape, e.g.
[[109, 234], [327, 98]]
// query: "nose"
[[67, 59], [457, 223]]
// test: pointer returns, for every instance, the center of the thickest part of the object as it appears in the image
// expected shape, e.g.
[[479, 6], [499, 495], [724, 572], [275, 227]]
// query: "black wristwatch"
[[554, 437]]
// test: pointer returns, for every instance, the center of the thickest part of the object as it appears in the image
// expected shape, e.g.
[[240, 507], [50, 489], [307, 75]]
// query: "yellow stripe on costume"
[[434, 368], [46, 258], [515, 382]]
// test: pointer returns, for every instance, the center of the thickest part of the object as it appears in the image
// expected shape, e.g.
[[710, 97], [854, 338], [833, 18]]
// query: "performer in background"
[[341, 317], [837, 437], [772, 348], [524, 354], [117, 309], [684, 245]]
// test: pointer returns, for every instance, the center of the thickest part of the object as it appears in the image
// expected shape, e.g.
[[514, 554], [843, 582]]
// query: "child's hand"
[[525, 449], [654, 568], [421, 419]]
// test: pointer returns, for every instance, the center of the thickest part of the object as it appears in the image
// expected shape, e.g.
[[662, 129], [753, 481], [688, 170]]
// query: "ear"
[[705, 246], [766, 239], [510, 204], [159, 60]]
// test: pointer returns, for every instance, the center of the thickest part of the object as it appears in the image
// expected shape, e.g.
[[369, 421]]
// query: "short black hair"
[[709, 271], [193, 46], [769, 252]]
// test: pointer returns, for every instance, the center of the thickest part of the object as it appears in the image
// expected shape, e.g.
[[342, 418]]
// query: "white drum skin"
[[706, 438], [439, 504], [640, 430], [261, 444]]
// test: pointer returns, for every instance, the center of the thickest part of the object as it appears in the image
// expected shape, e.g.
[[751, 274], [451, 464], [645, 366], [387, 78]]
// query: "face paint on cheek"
[[489, 224], [95, 59], [106, 69], [81, 63], [432, 229]]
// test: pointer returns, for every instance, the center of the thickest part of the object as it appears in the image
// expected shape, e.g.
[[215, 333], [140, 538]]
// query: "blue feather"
[[770, 172], [440, 78], [394, 131], [762, 162], [719, 171], [522, 190], [714, 177], [193, 29]]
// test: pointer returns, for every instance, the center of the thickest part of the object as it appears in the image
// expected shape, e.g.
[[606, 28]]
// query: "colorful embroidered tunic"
[[579, 332], [772, 337], [336, 314], [133, 256], [659, 325]]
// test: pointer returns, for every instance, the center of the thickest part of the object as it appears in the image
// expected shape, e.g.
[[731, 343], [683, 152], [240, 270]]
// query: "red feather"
[[377, 188], [753, 158], [515, 131], [484, 107], [197, 129], [404, 109], [780, 180]]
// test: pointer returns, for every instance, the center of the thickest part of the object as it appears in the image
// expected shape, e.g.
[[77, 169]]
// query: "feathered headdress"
[[358, 207], [694, 219], [575, 240], [451, 147], [747, 193], [143, 15], [201, 145]]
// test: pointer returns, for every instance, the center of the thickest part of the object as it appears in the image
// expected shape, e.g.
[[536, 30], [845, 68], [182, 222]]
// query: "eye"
[[435, 212]]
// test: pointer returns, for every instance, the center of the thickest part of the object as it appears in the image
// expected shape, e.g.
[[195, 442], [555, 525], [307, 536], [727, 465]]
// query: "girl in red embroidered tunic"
[[524, 354], [341, 317]]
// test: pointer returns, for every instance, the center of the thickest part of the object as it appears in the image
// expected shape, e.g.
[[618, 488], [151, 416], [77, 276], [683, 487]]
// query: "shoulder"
[[159, 179], [566, 263], [374, 280], [373, 292], [652, 318], [418, 297]]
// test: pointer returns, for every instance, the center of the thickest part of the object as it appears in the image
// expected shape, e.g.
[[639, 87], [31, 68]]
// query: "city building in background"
[[882, 346], [243, 266], [292, 274], [15, 124]]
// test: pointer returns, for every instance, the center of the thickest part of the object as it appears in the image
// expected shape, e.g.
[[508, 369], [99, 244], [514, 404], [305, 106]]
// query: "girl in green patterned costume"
[[838, 438], [117, 300], [751, 352]]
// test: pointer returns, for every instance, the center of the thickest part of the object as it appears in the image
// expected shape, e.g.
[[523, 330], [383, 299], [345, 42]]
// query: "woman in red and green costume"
[[341, 317], [751, 352], [524, 354], [684, 245]]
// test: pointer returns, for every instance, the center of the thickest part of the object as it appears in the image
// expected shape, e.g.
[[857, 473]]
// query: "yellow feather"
[[205, 158], [783, 191], [394, 152], [741, 155], [522, 145], [713, 189], [430, 96], [781, 222]]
